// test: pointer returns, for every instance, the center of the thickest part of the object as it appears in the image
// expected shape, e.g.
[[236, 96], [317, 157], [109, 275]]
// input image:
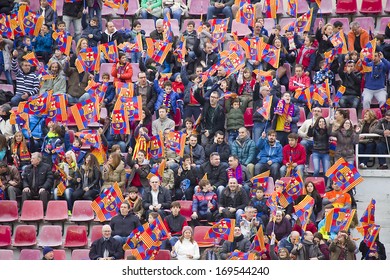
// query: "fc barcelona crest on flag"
[[107, 204]]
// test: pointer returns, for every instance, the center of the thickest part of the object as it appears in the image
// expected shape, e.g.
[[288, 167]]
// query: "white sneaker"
[[362, 166]]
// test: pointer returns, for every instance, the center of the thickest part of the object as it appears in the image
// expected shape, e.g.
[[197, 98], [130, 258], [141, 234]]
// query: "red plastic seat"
[[105, 68], [377, 112], [32, 211], [6, 255], [80, 254], [136, 70], [76, 236], [82, 211], [57, 210], [199, 237], [367, 23], [175, 27], [384, 21], [5, 236], [8, 211], [344, 21], [50, 236], [96, 232], [59, 254], [352, 115], [302, 116], [371, 7], [25, 236], [163, 255], [319, 183], [346, 7], [186, 209], [30, 254], [147, 25], [121, 23], [248, 117], [198, 7]]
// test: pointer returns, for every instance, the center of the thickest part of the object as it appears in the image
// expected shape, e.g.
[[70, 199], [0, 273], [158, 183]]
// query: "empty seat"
[[302, 7], [319, 183], [82, 211], [6, 87], [240, 28], [186, 209], [76, 236], [367, 23], [6, 255], [108, 10], [269, 24], [57, 210], [121, 23], [199, 237], [80, 254], [175, 27], [59, 254], [105, 68], [198, 7], [326, 7], [147, 25], [346, 7], [8, 211], [96, 232], [32, 211], [50, 236], [25, 236], [5, 236], [163, 255], [384, 21], [371, 7], [30, 254], [136, 70]]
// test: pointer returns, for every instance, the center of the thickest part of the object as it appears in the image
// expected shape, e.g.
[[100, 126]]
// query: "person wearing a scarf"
[[285, 119], [245, 149], [239, 244], [51, 141], [238, 171]]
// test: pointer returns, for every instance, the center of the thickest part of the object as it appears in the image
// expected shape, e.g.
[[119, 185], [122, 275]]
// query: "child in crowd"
[[166, 96], [109, 97], [259, 202], [307, 55], [234, 118], [92, 32], [135, 201], [177, 85], [204, 203], [246, 83], [323, 74]]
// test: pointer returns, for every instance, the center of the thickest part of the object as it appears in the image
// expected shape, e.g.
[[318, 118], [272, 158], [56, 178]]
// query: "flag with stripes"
[[240, 256], [271, 8], [246, 13], [89, 137], [156, 146], [88, 60], [120, 122], [368, 216], [176, 142], [339, 219], [303, 211], [218, 30], [259, 181], [107, 204], [110, 51], [223, 229], [292, 8], [273, 202], [57, 109], [63, 41], [37, 104], [344, 174], [85, 112], [5, 27], [270, 54], [258, 243], [338, 95], [167, 33], [142, 252]]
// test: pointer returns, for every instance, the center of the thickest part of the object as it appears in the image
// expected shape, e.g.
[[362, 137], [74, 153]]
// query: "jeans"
[[76, 24], [368, 94], [258, 128], [381, 149], [263, 167], [121, 239], [97, 13], [8, 76], [300, 168], [176, 14], [349, 101], [67, 196], [324, 159], [191, 111], [366, 148], [16, 100], [146, 15], [227, 11], [232, 136], [135, 57]]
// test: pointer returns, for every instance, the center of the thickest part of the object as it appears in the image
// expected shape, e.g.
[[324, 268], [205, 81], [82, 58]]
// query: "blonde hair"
[[78, 46], [72, 155]]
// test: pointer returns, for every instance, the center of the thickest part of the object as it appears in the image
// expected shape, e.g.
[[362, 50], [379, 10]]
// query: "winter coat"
[[117, 175], [174, 97], [125, 72], [74, 9], [197, 153], [245, 151], [240, 243], [239, 201], [151, 96], [143, 171], [282, 229], [163, 198], [376, 79], [336, 250], [124, 225], [222, 149], [382, 123], [106, 37], [215, 174], [352, 81], [200, 202], [267, 152], [113, 246], [43, 179], [307, 251], [320, 138], [346, 142], [97, 35]]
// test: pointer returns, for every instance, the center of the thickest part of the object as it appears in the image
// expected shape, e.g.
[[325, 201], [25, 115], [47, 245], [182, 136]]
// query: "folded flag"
[[338, 95], [107, 204], [61, 189]]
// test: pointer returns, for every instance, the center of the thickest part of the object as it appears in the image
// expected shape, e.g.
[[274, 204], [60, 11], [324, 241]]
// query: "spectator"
[[232, 201], [367, 145], [140, 170], [204, 203], [249, 223], [175, 223], [175, 8], [58, 81], [95, 11], [323, 74], [124, 223], [186, 247], [72, 13], [92, 32], [382, 146], [20, 150], [238, 171], [49, 16], [321, 243], [351, 80], [234, 117], [375, 81], [281, 227], [157, 199], [91, 177], [208, 57], [347, 137], [270, 155], [337, 197], [6, 128], [114, 172], [259, 203], [343, 247], [376, 252], [357, 37], [111, 34], [151, 9], [163, 123], [240, 244], [192, 107], [307, 55], [221, 6], [166, 97], [27, 83], [122, 71], [10, 180], [135, 202], [48, 253], [245, 149], [289, 241], [6, 46], [195, 151], [145, 89], [307, 249], [219, 146], [186, 179], [216, 173], [106, 248], [37, 180], [294, 157]]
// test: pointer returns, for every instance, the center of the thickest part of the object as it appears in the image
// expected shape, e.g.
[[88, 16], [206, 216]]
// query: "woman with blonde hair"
[[366, 144], [114, 172], [73, 179], [186, 248]]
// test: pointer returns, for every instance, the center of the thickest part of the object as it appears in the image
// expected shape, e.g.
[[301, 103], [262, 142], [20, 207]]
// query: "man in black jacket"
[[145, 89], [72, 13], [220, 146], [124, 223], [37, 180], [232, 201], [213, 115], [351, 79], [106, 248], [216, 173], [111, 34], [156, 199]]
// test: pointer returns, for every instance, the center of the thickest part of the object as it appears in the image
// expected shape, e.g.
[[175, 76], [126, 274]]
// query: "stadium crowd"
[[230, 135]]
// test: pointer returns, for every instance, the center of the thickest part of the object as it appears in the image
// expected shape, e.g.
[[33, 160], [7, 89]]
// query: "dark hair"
[[214, 154], [315, 193], [163, 107], [345, 113], [235, 157], [235, 100], [61, 22], [94, 19], [105, 75], [188, 119], [220, 132], [186, 156], [293, 136], [167, 84], [203, 182], [192, 77], [191, 22], [121, 54], [137, 22], [337, 24], [271, 131], [175, 204], [318, 121]]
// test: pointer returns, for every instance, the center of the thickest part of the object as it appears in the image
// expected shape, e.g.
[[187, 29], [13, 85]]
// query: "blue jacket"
[[160, 97], [267, 152], [377, 77], [245, 152], [43, 43]]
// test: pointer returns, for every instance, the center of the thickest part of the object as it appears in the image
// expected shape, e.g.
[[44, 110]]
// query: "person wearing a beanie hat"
[[48, 253], [186, 248]]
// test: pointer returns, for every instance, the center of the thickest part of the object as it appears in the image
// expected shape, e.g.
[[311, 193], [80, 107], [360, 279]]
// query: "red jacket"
[[298, 154], [306, 62], [305, 80], [125, 72]]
